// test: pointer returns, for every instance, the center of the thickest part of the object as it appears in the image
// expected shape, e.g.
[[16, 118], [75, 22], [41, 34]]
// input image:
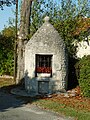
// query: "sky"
[[5, 15]]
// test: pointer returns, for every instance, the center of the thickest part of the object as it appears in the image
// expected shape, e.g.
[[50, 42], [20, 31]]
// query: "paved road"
[[15, 109]]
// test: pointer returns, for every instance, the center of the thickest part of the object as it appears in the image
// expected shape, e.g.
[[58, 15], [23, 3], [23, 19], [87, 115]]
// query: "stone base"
[[43, 86]]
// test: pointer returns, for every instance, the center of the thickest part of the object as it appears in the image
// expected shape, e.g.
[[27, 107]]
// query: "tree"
[[64, 16], [67, 20], [24, 30], [40, 9], [7, 37]]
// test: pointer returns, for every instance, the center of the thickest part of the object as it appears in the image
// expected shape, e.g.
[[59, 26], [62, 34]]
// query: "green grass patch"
[[64, 110]]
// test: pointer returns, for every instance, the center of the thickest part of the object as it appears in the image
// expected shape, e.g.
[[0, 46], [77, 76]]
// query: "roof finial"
[[46, 19]]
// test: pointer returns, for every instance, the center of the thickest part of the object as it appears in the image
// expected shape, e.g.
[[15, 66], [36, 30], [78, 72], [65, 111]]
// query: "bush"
[[83, 75], [7, 64], [7, 37]]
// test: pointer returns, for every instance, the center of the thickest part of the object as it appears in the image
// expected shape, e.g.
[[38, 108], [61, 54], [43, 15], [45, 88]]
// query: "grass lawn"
[[63, 109]]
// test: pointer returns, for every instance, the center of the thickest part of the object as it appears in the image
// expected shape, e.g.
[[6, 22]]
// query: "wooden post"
[[15, 44]]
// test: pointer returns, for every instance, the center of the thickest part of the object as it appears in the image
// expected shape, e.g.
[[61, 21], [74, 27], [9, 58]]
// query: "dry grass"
[[6, 82]]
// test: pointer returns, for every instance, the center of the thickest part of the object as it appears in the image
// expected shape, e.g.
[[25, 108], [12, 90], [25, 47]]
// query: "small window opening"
[[44, 64]]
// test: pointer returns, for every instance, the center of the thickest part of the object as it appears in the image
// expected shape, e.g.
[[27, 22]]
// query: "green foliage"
[[67, 22], [6, 51], [39, 10], [66, 29], [36, 16], [83, 75]]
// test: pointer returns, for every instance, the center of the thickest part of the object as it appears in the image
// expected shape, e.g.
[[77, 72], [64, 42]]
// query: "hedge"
[[83, 75]]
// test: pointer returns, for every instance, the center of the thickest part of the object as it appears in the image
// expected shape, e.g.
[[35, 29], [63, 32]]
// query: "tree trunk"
[[23, 33]]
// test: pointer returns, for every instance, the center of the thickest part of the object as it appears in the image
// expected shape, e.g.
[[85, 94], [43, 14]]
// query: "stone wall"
[[83, 48]]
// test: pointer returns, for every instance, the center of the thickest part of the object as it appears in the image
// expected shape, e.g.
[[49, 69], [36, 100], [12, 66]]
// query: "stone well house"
[[46, 61]]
